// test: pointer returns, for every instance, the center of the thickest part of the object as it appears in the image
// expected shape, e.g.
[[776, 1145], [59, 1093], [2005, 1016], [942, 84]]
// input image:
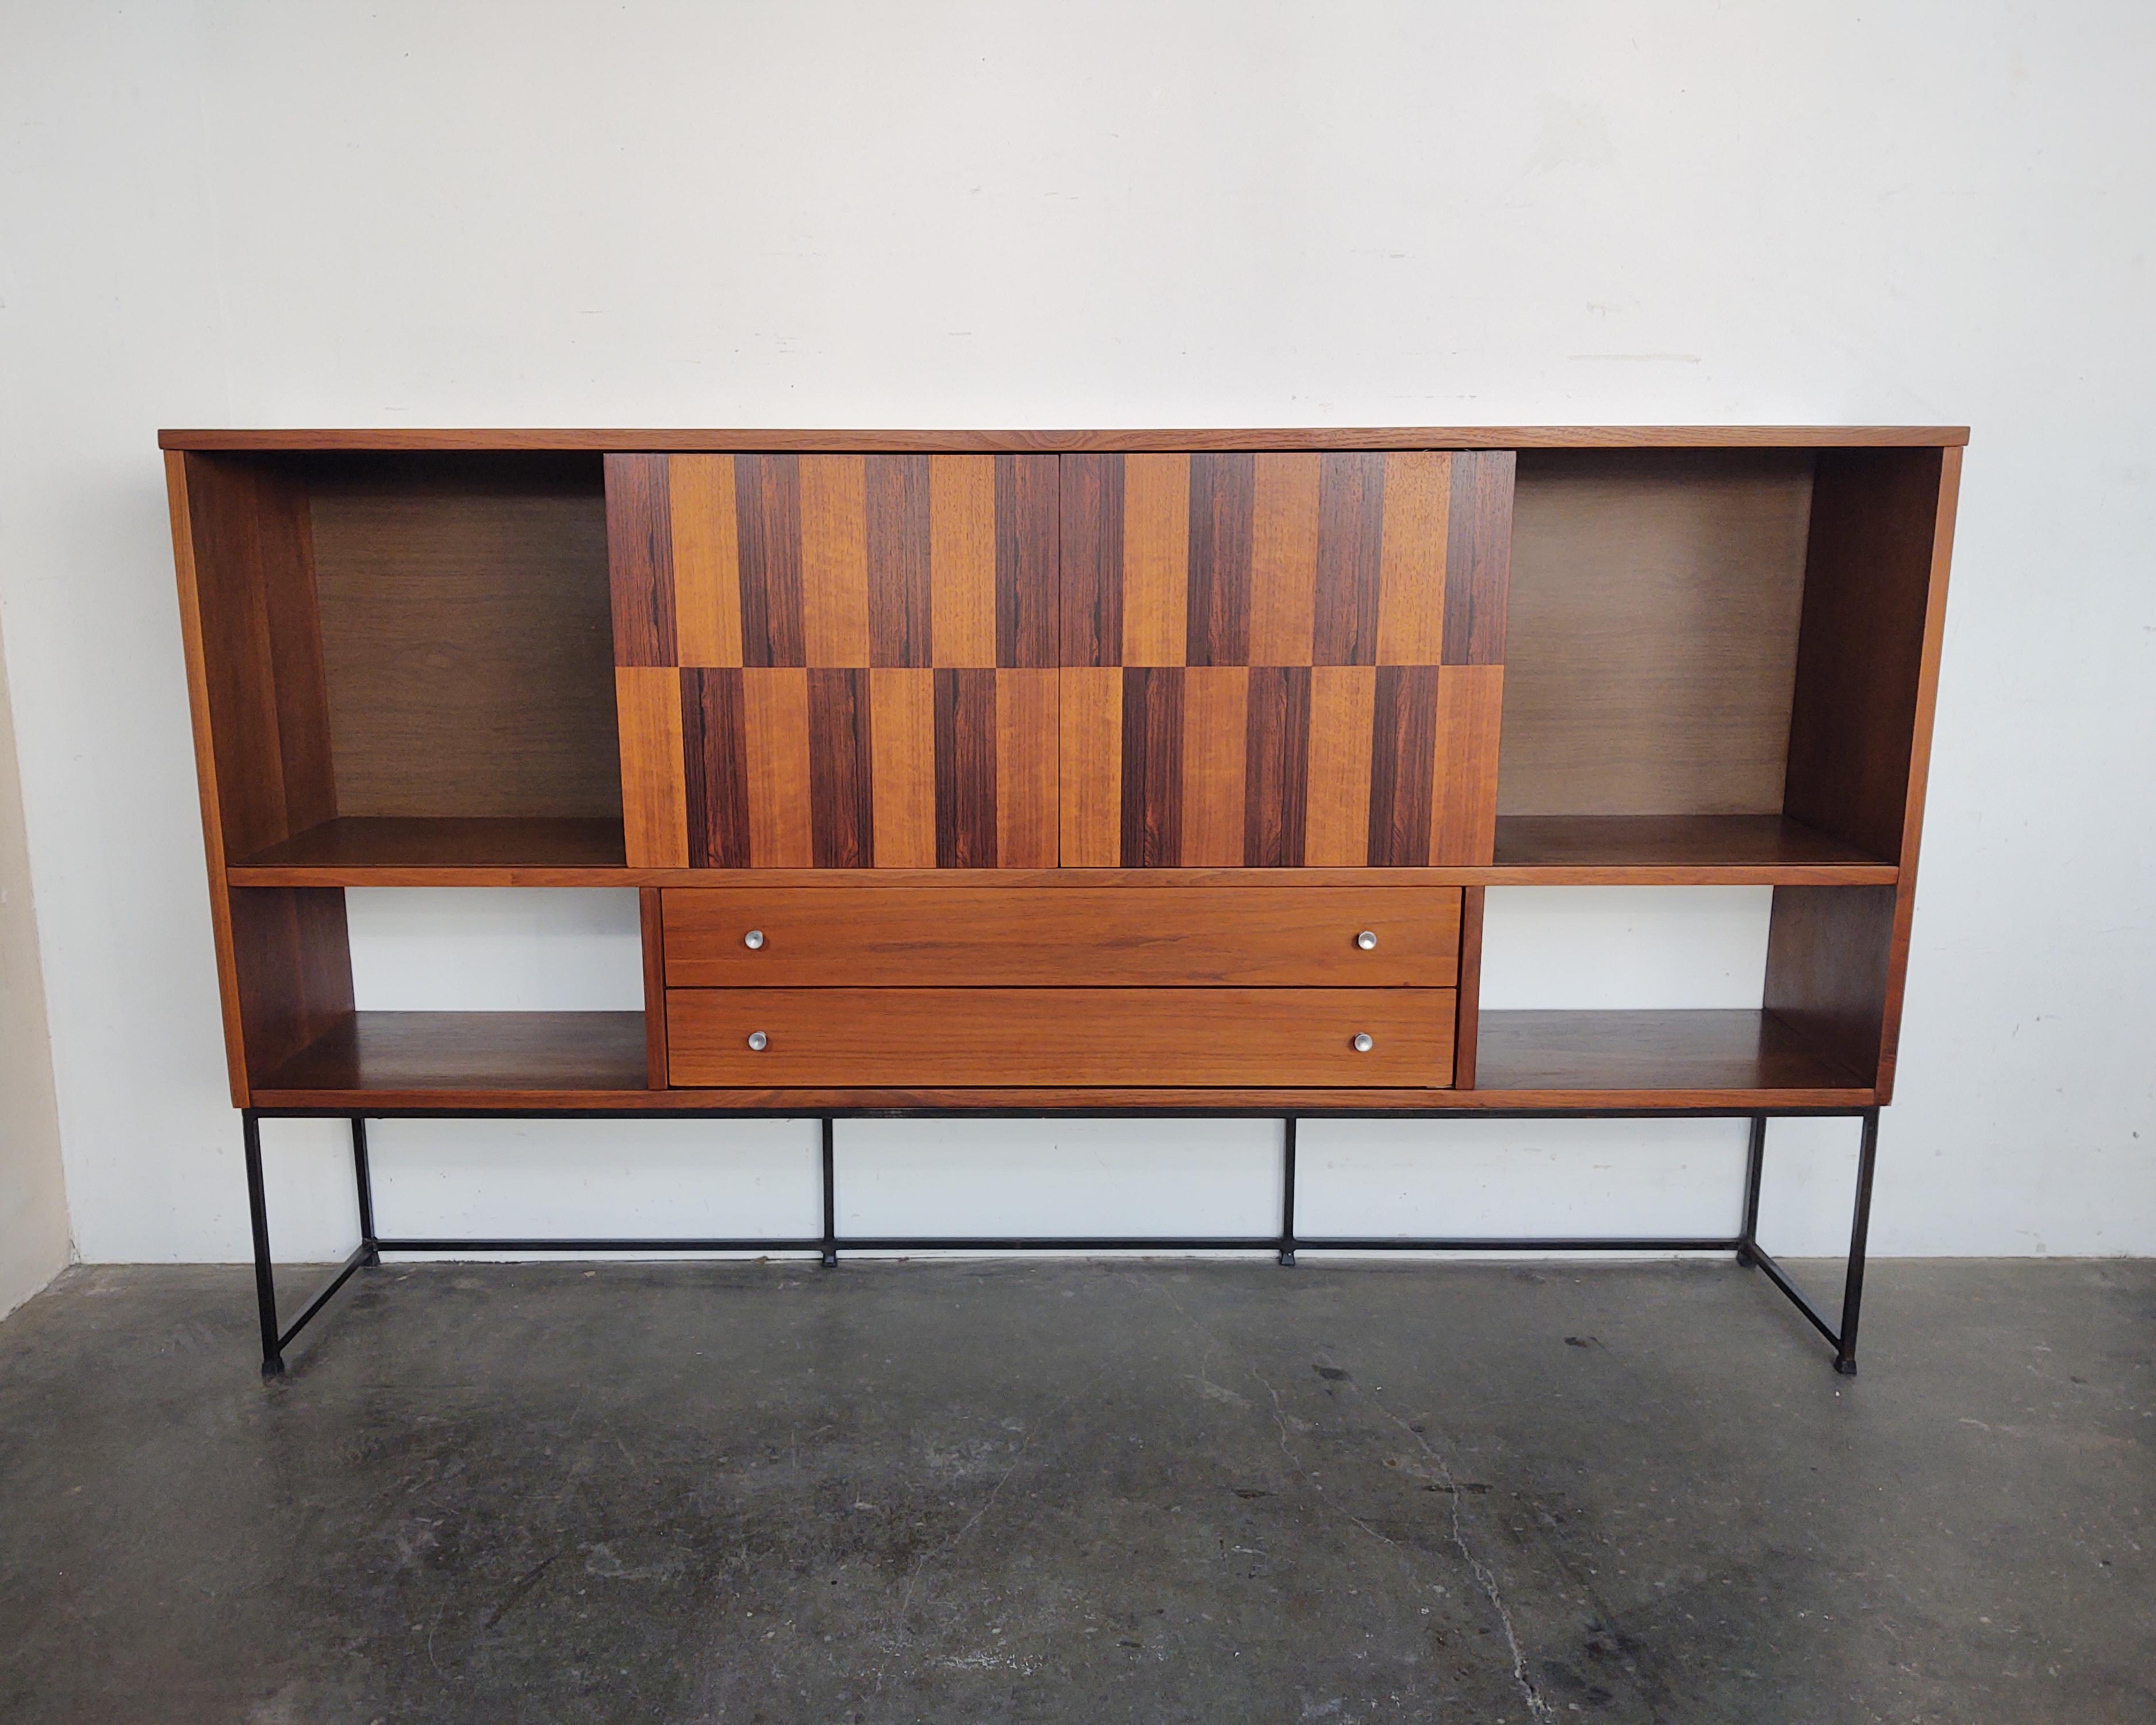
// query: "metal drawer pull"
[[1367, 939], [753, 939], [758, 1041], [1365, 1042]]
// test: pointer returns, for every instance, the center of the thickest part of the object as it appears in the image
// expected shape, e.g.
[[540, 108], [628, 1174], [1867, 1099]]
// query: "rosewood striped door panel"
[[1275, 661], [835, 661]]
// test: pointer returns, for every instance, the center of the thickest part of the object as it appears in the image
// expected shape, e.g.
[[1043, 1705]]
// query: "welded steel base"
[[827, 1246]]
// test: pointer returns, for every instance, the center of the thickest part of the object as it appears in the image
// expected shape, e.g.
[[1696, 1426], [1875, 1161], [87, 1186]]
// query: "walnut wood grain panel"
[[651, 920], [834, 560], [1393, 437], [902, 734], [640, 520], [1216, 614], [1467, 1021], [1343, 708], [841, 806], [1351, 515], [1155, 571], [1652, 633], [1032, 1036], [1090, 787], [1703, 1057], [767, 519], [1284, 559], [1760, 846], [291, 970], [965, 750], [1215, 739], [1478, 557], [1276, 766], [467, 637], [1090, 580], [713, 748], [898, 551], [474, 1059], [705, 542], [1029, 812], [1403, 764], [654, 797], [781, 823], [1161, 938], [1411, 559], [249, 598], [961, 521], [1153, 766], [1463, 804], [1027, 531], [359, 843], [1829, 957]]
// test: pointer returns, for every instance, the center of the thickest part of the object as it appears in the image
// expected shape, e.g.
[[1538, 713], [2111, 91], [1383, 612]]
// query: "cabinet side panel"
[[292, 963], [1467, 1029], [1829, 962], [1861, 645]]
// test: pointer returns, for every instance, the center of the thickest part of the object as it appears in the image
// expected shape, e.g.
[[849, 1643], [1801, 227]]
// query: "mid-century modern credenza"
[[1034, 772]]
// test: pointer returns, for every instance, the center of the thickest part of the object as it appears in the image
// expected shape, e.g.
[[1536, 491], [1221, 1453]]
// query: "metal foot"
[[258, 1217], [830, 1255], [1843, 1337], [1287, 1193]]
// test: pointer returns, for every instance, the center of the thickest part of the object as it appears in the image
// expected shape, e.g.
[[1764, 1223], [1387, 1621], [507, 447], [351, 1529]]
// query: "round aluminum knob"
[[758, 1041], [1367, 939], [753, 939], [1365, 1042]]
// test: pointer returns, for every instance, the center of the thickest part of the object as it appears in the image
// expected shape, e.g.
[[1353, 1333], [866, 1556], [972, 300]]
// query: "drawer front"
[[1135, 936], [1060, 1036]]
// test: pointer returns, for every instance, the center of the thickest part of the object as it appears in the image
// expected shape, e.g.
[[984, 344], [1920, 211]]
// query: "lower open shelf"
[[451, 1062]]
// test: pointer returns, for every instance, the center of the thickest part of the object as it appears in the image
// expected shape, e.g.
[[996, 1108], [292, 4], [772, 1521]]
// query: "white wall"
[[1064, 213], [33, 1221]]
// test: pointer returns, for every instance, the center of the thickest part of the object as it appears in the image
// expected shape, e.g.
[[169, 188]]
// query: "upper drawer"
[[988, 937]]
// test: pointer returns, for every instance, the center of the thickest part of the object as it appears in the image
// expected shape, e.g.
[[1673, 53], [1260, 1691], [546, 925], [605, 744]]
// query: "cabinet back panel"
[[467, 639], [1652, 642]]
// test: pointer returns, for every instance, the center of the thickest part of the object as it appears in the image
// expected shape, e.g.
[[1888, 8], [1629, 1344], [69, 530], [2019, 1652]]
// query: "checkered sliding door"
[[1281, 660], [836, 661]]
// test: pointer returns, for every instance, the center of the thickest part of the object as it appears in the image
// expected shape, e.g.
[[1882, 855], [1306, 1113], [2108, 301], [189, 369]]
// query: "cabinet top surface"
[[1344, 437]]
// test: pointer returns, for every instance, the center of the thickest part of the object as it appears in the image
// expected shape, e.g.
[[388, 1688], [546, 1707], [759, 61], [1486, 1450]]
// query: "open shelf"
[[373, 1054], [355, 851], [1687, 1054], [1681, 850]]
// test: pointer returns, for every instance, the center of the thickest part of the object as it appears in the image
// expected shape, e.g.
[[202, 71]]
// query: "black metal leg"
[[1860, 1232], [830, 1203], [258, 1216], [1748, 1236], [1287, 1191], [363, 1180]]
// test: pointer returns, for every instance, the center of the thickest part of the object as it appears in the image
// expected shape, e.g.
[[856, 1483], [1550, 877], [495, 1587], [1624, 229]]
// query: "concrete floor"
[[1058, 1490]]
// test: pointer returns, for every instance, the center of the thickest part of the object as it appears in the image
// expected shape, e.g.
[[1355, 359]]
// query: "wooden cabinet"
[[1064, 770]]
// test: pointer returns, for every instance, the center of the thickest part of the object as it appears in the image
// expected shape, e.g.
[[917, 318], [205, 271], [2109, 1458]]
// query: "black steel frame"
[[1744, 1244]]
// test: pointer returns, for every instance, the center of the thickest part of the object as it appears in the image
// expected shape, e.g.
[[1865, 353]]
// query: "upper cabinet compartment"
[[836, 661], [1282, 659], [402, 658]]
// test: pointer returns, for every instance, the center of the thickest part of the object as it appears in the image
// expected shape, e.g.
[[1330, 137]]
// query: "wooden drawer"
[[1060, 1036], [989, 937]]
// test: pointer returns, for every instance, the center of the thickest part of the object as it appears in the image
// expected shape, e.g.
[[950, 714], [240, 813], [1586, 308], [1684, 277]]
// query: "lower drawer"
[[1060, 1036]]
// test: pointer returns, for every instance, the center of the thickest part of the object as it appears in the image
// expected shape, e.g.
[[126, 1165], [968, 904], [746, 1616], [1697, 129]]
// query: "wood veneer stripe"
[[706, 557], [1276, 767], [1026, 556], [1471, 700], [1090, 787], [1153, 766], [1403, 756], [654, 807], [966, 767], [1091, 574], [902, 780], [1223, 507], [775, 704], [834, 568], [714, 755], [1283, 558], [898, 561], [640, 558], [962, 524], [1351, 512], [842, 808], [1342, 699], [1156, 558], [1411, 559], [1478, 556], [1215, 736], [768, 502], [1028, 744]]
